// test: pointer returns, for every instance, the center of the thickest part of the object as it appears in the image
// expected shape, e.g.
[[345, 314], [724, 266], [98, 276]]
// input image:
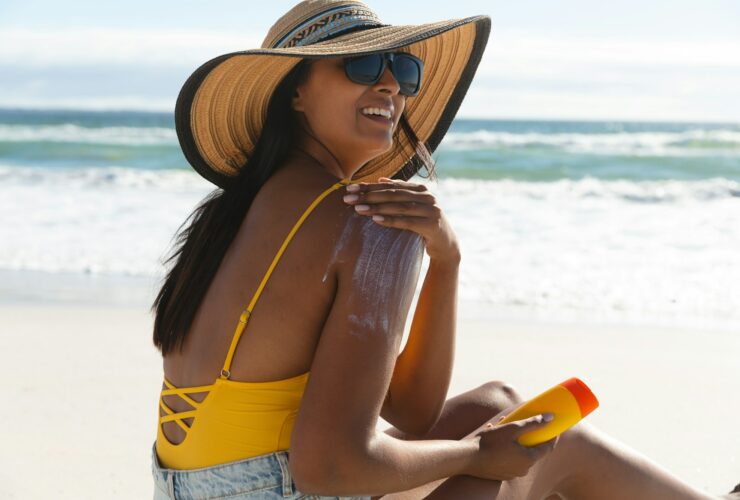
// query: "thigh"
[[467, 411], [460, 486], [461, 416], [529, 487]]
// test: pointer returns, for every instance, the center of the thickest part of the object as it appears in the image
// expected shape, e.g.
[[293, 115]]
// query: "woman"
[[304, 136]]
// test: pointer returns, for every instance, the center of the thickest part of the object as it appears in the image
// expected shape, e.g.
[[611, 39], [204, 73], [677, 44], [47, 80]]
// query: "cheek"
[[400, 105], [333, 110]]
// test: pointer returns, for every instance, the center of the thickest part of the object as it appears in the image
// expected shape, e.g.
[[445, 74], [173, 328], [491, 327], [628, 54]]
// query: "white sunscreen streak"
[[387, 256], [346, 232]]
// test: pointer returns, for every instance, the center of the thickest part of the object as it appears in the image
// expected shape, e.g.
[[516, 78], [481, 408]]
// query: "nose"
[[388, 82]]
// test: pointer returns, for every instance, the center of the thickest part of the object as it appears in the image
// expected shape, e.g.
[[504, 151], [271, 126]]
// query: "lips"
[[381, 107], [378, 119]]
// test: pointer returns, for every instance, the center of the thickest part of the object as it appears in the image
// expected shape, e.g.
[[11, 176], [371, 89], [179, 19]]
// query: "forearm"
[[390, 465], [423, 370]]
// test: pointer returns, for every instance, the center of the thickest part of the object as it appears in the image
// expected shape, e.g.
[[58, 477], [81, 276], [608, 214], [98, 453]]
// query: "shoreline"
[[85, 377], [124, 291]]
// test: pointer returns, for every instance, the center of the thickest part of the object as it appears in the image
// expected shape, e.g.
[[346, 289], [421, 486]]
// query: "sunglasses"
[[367, 70]]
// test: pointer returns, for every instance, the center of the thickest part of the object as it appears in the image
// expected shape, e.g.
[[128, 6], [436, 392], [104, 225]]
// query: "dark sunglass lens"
[[365, 69], [408, 74]]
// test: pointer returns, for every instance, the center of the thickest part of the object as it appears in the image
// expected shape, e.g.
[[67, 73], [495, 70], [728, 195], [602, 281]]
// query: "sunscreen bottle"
[[568, 402]]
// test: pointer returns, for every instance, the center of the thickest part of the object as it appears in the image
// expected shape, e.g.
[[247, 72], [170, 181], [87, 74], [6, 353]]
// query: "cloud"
[[511, 49], [526, 75], [516, 48], [111, 46], [522, 74]]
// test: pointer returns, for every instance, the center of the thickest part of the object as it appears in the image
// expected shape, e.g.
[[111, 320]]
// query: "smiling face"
[[331, 106]]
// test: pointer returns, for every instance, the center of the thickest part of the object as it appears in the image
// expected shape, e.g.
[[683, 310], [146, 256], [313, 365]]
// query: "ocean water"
[[620, 221]]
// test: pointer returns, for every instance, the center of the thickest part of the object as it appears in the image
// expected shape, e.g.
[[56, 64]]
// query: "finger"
[[532, 423], [399, 221], [508, 411], [390, 194], [363, 187], [408, 208], [542, 449], [406, 184]]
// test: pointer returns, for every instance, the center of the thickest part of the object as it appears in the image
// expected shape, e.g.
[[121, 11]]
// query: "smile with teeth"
[[377, 112]]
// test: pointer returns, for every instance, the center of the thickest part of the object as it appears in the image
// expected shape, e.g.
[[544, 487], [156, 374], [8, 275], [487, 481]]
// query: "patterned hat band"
[[327, 24]]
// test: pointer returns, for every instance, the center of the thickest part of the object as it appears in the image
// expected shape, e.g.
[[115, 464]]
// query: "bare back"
[[285, 326]]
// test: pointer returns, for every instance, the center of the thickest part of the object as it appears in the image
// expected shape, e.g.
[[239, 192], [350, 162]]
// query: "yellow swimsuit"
[[236, 420]]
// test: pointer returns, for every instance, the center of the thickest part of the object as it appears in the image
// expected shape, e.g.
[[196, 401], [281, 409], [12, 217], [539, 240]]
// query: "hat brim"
[[221, 107]]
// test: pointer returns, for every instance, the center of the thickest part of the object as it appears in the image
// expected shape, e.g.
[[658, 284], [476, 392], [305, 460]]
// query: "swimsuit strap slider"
[[244, 316], [225, 373]]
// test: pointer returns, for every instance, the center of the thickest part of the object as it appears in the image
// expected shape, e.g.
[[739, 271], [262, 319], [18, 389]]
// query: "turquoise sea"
[[535, 151], [615, 219]]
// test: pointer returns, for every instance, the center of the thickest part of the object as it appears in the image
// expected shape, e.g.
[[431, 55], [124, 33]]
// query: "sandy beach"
[[82, 384], [590, 171]]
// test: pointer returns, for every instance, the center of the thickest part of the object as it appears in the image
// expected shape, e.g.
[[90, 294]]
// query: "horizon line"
[[72, 109]]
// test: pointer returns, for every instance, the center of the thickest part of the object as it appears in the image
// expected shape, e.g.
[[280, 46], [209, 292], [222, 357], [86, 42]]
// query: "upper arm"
[[377, 269]]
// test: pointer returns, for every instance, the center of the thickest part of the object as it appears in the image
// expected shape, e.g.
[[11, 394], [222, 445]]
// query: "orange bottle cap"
[[587, 402]]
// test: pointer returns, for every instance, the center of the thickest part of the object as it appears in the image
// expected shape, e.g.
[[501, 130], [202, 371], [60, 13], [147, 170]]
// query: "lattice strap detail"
[[175, 417], [182, 393], [171, 389]]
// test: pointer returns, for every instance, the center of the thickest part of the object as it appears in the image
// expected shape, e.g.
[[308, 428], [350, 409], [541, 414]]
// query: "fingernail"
[[351, 197], [362, 208], [352, 188], [547, 417], [378, 217]]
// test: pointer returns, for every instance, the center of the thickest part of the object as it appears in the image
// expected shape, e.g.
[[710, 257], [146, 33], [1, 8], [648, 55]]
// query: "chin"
[[378, 148]]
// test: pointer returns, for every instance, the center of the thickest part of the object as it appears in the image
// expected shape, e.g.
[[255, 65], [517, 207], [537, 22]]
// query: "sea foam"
[[689, 142], [653, 248]]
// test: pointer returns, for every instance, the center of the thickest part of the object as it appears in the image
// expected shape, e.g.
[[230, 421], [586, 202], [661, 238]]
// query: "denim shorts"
[[265, 476]]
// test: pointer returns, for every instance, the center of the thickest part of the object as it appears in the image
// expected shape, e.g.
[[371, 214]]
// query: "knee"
[[581, 435], [500, 394]]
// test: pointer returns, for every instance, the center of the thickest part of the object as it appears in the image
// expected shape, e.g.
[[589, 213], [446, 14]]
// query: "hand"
[[500, 456], [406, 205]]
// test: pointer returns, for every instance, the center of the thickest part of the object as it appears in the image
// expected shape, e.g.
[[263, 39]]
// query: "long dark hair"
[[200, 247]]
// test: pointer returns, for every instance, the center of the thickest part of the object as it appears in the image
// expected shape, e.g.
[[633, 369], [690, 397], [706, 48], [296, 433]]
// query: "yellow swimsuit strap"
[[245, 314]]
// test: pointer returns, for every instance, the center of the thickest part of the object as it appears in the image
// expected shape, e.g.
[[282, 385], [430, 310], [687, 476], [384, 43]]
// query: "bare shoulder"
[[376, 270], [293, 188], [377, 257], [380, 267]]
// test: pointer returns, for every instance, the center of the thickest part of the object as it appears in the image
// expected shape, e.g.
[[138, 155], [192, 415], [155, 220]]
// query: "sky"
[[571, 59]]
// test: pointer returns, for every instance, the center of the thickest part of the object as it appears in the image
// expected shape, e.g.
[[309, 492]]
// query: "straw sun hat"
[[222, 106]]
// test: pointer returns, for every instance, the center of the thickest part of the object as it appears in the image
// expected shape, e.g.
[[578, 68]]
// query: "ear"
[[296, 102]]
